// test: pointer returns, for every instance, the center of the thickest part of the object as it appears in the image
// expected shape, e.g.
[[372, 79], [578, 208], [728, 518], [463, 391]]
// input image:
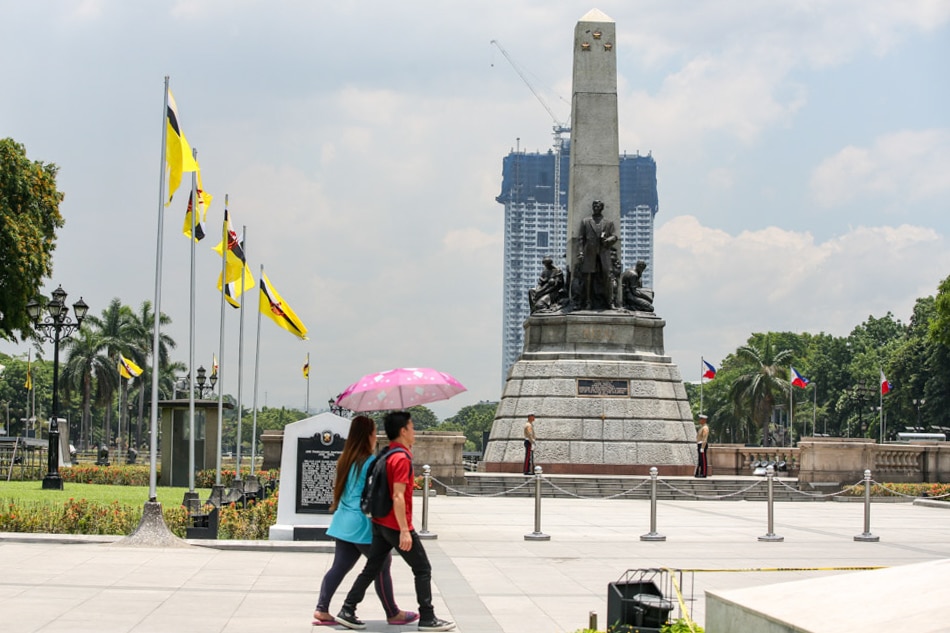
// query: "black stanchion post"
[[652, 535], [866, 536], [537, 535], [425, 534], [771, 536]]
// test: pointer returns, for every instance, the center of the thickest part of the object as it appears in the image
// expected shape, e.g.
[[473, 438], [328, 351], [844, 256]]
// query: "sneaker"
[[435, 624], [347, 617]]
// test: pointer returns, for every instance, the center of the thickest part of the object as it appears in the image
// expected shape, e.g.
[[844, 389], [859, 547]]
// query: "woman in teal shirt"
[[351, 528]]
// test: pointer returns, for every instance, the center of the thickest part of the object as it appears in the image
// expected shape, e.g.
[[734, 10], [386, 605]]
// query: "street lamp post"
[[204, 383], [54, 328], [919, 402]]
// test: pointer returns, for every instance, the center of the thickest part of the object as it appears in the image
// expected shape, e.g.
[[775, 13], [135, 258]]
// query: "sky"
[[802, 150]]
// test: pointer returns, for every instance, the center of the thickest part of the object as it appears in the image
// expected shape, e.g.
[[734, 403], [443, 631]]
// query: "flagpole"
[[191, 335], [308, 383], [880, 395], [153, 415], [702, 368], [791, 414], [814, 411], [237, 474], [257, 366], [224, 287]]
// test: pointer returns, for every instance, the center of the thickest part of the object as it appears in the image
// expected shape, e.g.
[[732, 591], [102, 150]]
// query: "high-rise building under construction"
[[536, 227]]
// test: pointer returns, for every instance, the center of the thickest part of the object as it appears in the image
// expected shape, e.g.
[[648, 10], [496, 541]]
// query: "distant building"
[[536, 227]]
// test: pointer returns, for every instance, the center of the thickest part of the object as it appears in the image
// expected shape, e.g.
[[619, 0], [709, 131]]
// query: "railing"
[[736, 459]]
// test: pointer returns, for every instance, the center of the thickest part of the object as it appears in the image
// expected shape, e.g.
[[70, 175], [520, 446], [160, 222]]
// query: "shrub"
[[79, 516], [118, 475], [205, 478], [895, 490]]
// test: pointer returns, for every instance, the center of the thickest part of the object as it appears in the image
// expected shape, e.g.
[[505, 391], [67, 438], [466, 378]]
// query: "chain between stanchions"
[[493, 494], [574, 494], [709, 497], [820, 495], [901, 494]]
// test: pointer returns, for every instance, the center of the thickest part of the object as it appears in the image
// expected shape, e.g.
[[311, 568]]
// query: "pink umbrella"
[[398, 389]]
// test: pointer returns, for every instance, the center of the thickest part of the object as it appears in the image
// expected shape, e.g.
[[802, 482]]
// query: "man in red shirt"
[[395, 531]]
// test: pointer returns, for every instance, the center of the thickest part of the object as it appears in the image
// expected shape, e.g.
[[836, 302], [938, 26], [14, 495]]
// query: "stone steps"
[[668, 488]]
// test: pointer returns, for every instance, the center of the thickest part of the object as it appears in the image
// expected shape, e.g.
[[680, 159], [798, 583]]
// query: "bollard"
[[592, 620], [770, 535], [652, 535], [537, 535], [425, 534], [866, 536]]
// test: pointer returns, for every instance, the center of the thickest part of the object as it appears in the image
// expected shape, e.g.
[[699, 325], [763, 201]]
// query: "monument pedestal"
[[605, 397]]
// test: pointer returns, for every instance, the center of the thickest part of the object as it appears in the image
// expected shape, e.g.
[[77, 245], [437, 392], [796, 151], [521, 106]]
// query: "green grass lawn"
[[32, 491]]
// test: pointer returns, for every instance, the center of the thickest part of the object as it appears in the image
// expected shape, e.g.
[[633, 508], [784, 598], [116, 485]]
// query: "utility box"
[[176, 439]]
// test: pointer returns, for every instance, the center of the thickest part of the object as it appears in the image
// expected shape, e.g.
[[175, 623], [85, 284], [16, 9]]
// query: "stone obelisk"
[[606, 398], [595, 145]]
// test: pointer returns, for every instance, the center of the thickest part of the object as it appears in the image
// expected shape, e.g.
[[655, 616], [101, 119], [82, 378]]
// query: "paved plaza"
[[486, 576]]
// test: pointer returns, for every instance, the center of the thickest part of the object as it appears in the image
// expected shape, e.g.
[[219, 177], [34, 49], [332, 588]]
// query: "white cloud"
[[912, 165], [778, 280]]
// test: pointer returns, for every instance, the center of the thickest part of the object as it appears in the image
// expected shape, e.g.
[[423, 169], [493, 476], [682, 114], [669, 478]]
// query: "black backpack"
[[376, 500]]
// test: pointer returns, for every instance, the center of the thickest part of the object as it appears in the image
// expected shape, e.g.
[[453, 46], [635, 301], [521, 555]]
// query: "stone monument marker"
[[307, 472], [606, 398]]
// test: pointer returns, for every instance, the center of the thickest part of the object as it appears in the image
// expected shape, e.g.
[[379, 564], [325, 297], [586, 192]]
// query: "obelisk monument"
[[595, 145], [606, 398]]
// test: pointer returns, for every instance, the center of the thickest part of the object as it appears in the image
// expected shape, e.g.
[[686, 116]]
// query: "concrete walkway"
[[486, 576]]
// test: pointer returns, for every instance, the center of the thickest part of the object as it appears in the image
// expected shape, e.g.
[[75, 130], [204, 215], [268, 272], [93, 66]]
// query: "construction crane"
[[560, 128]]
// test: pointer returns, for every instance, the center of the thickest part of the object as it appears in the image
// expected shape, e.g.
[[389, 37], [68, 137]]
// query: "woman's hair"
[[356, 451]]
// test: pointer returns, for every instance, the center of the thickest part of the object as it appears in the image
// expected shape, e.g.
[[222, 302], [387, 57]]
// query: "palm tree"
[[118, 334], [755, 391], [89, 371], [145, 328]]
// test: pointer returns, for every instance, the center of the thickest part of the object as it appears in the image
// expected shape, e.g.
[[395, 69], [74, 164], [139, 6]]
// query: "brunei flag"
[[204, 201], [237, 274], [128, 369], [214, 365], [28, 383], [306, 368], [178, 156], [279, 312], [229, 294]]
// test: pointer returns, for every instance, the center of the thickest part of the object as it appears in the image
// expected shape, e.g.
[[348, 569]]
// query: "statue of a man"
[[596, 241], [635, 296], [550, 293]]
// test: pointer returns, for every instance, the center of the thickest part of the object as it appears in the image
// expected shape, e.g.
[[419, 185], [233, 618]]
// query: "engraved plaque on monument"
[[598, 388], [316, 471]]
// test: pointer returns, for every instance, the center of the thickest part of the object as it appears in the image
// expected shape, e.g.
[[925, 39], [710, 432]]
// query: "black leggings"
[[345, 556]]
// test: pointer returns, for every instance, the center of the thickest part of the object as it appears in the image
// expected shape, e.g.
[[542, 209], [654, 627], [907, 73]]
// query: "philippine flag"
[[798, 380], [885, 385], [709, 372]]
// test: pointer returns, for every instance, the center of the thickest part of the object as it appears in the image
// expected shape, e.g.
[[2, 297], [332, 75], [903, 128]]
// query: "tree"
[[940, 324], [472, 421], [757, 388], [145, 328], [87, 370], [29, 217]]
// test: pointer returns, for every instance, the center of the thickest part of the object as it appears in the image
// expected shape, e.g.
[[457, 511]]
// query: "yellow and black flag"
[[204, 201], [279, 312], [178, 154], [237, 275], [128, 369], [306, 368], [28, 384]]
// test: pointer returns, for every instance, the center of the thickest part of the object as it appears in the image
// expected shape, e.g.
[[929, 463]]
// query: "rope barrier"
[[710, 497], [615, 496], [820, 495], [462, 493]]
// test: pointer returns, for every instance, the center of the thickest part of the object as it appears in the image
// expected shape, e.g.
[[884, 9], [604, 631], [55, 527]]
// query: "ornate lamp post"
[[203, 383], [919, 402], [54, 328]]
